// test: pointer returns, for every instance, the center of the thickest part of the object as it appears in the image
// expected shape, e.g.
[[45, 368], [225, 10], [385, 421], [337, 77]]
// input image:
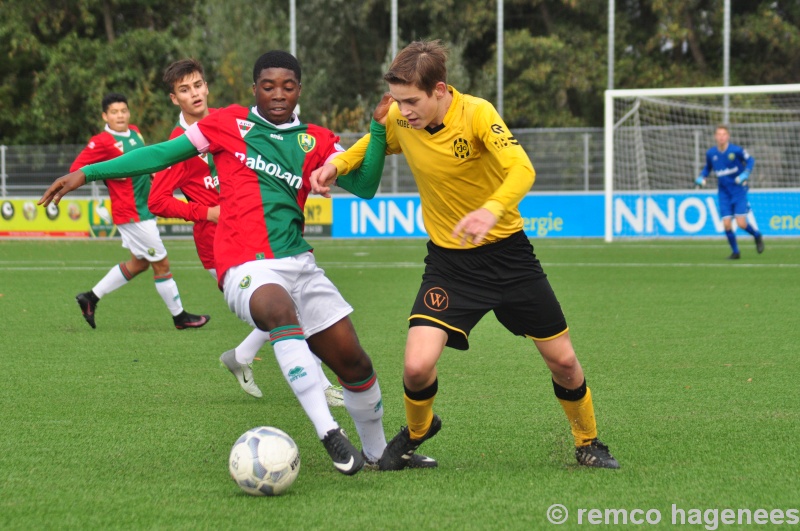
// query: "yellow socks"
[[419, 409], [577, 404]]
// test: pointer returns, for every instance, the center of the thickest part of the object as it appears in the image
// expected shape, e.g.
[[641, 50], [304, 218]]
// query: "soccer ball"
[[264, 461]]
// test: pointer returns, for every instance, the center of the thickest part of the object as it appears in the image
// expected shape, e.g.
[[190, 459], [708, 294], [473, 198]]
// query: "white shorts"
[[143, 240], [318, 303]]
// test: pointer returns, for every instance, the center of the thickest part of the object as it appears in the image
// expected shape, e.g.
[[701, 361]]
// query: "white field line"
[[60, 266], [377, 265]]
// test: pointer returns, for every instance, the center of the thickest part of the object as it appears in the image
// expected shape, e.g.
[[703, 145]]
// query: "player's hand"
[[382, 109], [742, 178], [322, 178], [62, 186], [474, 226], [213, 214], [699, 182]]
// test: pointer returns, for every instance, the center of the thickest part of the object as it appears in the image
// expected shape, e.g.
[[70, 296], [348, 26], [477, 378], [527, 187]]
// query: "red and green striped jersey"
[[129, 195], [263, 172], [196, 178]]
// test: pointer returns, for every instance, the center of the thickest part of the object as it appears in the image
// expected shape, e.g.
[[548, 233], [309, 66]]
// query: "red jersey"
[[263, 174], [128, 195], [196, 178]]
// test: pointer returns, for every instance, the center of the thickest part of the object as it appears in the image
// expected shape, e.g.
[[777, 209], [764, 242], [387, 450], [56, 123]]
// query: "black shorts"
[[460, 286]]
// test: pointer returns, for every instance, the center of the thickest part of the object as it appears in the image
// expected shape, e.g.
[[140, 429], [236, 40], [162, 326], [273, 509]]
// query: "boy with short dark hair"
[[264, 156], [136, 224], [197, 180]]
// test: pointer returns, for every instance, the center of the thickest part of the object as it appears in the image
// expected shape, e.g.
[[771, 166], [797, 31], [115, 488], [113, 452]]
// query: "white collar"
[[295, 121], [182, 121], [126, 133]]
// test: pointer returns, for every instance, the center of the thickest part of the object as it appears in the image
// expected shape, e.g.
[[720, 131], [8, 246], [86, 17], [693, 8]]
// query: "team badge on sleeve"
[[503, 141]]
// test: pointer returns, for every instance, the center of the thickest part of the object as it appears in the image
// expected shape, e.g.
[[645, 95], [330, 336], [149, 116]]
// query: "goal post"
[[655, 142]]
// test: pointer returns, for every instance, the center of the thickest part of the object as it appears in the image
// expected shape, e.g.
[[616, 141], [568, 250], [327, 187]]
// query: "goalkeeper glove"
[[742, 177], [700, 181]]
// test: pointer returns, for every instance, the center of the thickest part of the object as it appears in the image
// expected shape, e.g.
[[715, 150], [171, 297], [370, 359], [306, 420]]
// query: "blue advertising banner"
[[394, 216], [581, 215], [397, 216], [686, 214], [559, 215]]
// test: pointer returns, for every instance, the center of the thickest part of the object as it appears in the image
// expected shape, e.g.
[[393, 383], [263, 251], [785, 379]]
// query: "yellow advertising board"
[[319, 216], [89, 218], [24, 218]]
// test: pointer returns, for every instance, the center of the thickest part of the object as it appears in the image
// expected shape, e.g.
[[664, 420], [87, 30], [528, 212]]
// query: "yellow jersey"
[[471, 161]]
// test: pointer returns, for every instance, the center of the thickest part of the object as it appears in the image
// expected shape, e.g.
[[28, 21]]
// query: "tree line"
[[60, 56]]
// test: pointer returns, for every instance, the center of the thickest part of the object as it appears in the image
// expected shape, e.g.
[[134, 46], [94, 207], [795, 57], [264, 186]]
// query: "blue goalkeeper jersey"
[[728, 165]]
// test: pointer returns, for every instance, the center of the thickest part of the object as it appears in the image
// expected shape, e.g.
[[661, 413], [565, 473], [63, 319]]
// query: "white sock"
[[114, 279], [168, 289], [366, 408], [300, 370], [247, 349], [323, 378]]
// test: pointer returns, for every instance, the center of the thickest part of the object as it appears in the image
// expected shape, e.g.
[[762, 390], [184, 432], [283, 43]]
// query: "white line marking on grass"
[[671, 264], [667, 245], [89, 262], [375, 265], [91, 266], [40, 265], [371, 265]]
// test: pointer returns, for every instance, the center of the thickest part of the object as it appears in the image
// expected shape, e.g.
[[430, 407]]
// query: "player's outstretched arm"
[[62, 186], [138, 162], [364, 181], [322, 179]]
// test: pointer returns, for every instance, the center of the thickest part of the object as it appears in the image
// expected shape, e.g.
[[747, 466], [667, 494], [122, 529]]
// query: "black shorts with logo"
[[460, 286]]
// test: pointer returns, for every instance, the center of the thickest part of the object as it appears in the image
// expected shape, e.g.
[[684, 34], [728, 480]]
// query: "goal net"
[[655, 145]]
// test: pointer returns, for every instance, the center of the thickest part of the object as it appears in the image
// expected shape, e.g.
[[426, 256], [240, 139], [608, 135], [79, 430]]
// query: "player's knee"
[[417, 372], [349, 363], [355, 366], [567, 363], [271, 307], [561, 359], [565, 367], [136, 267], [160, 268]]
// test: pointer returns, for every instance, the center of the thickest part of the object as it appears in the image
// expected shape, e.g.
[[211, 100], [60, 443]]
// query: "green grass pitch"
[[692, 360]]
